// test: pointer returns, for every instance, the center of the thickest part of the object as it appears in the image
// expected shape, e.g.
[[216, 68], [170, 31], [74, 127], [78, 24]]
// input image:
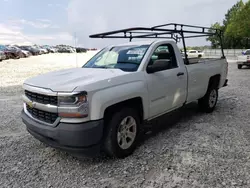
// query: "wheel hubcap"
[[212, 98], [126, 132]]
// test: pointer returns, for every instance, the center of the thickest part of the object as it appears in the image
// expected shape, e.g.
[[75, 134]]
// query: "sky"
[[72, 21]]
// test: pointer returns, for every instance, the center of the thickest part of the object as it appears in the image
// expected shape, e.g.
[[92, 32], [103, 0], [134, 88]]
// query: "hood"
[[68, 80]]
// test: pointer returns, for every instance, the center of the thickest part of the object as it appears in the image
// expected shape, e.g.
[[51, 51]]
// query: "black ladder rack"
[[166, 31]]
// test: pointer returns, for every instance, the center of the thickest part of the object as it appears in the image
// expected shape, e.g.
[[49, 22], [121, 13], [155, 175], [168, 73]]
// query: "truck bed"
[[200, 70], [199, 60]]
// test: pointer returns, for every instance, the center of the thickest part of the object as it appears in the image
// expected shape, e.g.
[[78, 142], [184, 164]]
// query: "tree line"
[[235, 27]]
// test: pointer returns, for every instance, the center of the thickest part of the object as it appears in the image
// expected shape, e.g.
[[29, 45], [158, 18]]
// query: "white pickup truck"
[[244, 59], [103, 105]]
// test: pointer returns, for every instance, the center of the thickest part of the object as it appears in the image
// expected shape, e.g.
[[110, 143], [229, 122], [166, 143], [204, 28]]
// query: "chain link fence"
[[229, 53]]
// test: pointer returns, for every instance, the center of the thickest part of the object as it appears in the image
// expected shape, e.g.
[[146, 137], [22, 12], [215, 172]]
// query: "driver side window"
[[164, 52]]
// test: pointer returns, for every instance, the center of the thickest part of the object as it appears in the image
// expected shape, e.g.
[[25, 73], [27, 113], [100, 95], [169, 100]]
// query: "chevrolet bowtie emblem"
[[31, 104]]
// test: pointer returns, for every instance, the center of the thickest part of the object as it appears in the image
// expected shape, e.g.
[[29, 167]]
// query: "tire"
[[112, 147], [208, 102], [239, 66]]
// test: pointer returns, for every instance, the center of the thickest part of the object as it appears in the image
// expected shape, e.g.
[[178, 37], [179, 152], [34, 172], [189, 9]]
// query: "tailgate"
[[243, 58], [224, 72]]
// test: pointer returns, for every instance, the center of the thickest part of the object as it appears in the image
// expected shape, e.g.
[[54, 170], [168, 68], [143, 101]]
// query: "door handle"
[[180, 74]]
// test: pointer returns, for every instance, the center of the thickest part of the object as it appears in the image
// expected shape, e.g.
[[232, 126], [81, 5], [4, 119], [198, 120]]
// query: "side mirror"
[[159, 65]]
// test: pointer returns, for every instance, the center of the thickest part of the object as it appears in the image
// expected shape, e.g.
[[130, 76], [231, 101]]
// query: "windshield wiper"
[[100, 67]]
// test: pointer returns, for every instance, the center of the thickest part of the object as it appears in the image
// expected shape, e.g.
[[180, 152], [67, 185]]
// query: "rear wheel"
[[122, 133], [239, 66], [209, 101]]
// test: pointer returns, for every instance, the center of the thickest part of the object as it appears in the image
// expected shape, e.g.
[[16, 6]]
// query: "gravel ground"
[[186, 149]]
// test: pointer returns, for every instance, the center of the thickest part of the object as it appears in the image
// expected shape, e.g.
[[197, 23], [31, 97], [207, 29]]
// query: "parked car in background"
[[73, 50], [63, 50], [27, 53], [32, 50], [44, 51], [40, 50], [50, 49], [10, 53], [2, 56], [92, 49], [66, 50], [23, 53], [195, 53], [244, 59], [81, 50]]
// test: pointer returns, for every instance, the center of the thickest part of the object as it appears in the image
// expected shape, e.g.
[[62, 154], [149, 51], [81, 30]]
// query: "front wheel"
[[239, 66], [209, 101], [122, 133]]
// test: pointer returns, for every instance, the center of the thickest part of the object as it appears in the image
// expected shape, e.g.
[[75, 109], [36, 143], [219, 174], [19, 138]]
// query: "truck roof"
[[144, 42]]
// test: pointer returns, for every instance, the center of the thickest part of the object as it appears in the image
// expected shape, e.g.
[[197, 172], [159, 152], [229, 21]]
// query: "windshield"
[[127, 58], [247, 52], [13, 48]]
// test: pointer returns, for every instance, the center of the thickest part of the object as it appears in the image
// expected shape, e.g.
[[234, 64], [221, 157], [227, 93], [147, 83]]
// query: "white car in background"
[[53, 50], [44, 51], [244, 59], [195, 53], [26, 53], [72, 50]]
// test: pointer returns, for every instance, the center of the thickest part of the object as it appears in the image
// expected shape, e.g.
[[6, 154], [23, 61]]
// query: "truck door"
[[167, 88]]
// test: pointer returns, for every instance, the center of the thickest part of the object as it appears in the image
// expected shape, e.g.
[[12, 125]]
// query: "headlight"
[[73, 106], [74, 100]]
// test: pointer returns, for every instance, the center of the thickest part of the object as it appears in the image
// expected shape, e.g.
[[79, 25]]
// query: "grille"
[[47, 117], [43, 99]]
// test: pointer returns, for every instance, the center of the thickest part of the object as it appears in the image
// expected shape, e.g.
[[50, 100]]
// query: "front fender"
[[107, 97]]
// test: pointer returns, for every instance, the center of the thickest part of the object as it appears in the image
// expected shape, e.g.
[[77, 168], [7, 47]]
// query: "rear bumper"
[[244, 63], [82, 138]]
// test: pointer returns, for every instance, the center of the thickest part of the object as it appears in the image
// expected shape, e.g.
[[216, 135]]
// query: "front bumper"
[[225, 84], [80, 138]]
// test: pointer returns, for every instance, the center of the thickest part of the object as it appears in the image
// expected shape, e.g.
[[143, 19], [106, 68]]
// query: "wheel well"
[[214, 81], [135, 103]]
